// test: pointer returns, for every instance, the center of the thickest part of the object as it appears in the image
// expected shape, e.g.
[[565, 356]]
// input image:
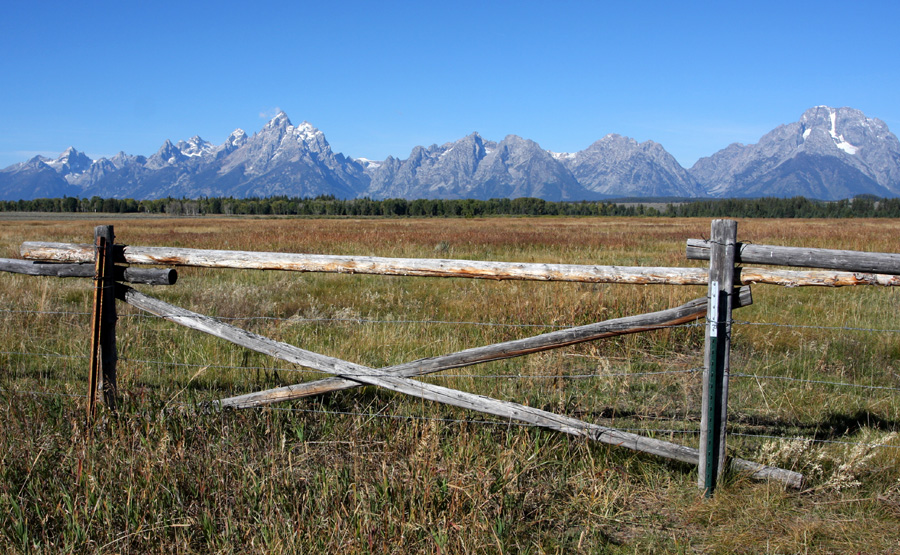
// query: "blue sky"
[[381, 78]]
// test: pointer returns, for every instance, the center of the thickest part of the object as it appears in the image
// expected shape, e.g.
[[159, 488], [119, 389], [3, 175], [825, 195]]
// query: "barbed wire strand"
[[496, 376], [803, 326], [313, 320], [813, 440], [435, 375], [456, 420], [475, 376], [59, 312], [825, 382], [454, 322], [429, 322], [49, 355], [50, 393], [314, 371], [344, 320], [468, 376]]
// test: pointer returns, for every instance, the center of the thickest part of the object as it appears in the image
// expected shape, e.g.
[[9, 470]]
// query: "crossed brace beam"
[[397, 378]]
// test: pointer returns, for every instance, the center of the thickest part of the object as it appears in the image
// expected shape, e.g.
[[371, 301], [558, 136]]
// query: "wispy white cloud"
[[270, 113]]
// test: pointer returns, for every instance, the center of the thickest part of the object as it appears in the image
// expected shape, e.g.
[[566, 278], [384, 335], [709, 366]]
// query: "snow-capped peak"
[[280, 120], [281, 130], [562, 156], [368, 164], [70, 161], [237, 137], [839, 139], [825, 118], [195, 146], [307, 133]]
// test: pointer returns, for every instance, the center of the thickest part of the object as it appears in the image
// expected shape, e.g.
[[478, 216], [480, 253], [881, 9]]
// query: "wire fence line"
[[814, 440], [453, 322], [314, 371], [47, 355], [434, 375], [299, 319], [823, 382], [408, 417], [55, 312], [516, 423], [528, 425], [474, 376], [294, 319], [802, 326], [47, 393]]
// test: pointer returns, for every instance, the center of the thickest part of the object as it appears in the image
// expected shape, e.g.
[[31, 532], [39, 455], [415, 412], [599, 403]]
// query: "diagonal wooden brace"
[[505, 409], [687, 312]]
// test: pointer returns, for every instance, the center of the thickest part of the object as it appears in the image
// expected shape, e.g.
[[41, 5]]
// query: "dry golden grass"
[[369, 471]]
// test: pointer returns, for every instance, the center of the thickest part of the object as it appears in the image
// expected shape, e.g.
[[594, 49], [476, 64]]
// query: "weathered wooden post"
[[717, 353], [103, 323]]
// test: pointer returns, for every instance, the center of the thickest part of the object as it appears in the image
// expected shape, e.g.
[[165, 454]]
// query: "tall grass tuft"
[[816, 376]]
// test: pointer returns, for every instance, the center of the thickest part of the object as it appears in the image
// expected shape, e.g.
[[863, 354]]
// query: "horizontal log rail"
[[65, 252], [687, 312], [75, 253], [830, 259], [147, 276], [371, 376]]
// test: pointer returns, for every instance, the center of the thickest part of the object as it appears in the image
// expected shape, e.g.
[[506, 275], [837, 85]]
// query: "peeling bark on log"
[[64, 252], [812, 278], [371, 376], [67, 252]]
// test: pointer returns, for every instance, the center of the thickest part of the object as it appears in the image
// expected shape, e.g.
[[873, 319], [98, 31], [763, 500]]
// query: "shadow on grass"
[[833, 426]]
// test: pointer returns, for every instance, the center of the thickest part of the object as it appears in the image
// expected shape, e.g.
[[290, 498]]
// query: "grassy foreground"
[[369, 471]]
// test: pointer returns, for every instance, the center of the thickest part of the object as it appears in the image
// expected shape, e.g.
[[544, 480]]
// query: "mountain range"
[[829, 154]]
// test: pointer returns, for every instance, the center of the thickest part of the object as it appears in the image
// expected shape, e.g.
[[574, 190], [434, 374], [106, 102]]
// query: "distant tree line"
[[798, 207], [863, 206], [325, 206]]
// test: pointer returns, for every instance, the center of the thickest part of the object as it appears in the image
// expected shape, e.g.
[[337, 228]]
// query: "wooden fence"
[[727, 290]]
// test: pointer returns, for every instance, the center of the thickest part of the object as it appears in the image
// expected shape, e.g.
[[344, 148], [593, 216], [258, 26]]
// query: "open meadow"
[[815, 388]]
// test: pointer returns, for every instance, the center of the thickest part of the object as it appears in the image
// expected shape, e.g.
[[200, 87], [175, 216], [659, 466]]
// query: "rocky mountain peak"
[[121, 159], [829, 153], [619, 165], [237, 138], [830, 123], [195, 146], [280, 121], [167, 155], [309, 136], [70, 161], [33, 162], [280, 138]]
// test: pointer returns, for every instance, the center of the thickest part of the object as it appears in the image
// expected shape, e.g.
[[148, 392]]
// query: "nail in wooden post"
[[717, 353], [107, 333]]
